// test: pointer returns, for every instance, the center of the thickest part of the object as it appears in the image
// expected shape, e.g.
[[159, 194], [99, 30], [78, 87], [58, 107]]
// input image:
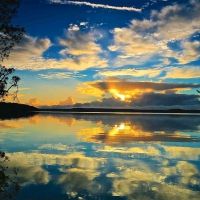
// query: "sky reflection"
[[104, 156]]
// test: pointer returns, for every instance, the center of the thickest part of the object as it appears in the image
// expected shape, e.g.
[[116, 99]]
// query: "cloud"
[[95, 5], [83, 23], [191, 52], [73, 27], [78, 43], [28, 49], [76, 64], [152, 36], [126, 94], [83, 62], [86, 88], [148, 101], [33, 102], [125, 86], [83, 48], [68, 101], [152, 72], [61, 75], [183, 72]]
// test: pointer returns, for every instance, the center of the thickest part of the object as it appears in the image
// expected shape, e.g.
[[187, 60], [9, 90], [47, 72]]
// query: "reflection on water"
[[63, 156], [9, 187]]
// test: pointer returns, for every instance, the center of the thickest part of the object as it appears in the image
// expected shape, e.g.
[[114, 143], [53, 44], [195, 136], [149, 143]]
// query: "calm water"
[[88, 156]]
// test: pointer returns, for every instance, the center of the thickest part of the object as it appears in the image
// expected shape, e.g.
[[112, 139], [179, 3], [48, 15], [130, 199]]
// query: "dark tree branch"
[[9, 36]]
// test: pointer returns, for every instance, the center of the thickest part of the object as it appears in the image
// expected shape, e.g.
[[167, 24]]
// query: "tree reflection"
[[9, 188]]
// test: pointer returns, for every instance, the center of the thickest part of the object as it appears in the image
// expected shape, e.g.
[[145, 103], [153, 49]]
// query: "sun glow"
[[120, 96]]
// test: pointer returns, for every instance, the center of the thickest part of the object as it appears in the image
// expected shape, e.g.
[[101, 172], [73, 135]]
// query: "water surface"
[[104, 156]]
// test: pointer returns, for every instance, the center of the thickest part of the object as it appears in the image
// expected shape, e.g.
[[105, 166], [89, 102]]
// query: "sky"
[[109, 53]]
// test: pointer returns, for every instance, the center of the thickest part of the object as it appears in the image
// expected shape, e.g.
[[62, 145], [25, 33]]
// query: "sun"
[[117, 95]]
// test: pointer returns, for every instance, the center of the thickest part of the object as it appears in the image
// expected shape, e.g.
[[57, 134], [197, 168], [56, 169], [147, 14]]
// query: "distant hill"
[[107, 110], [15, 110]]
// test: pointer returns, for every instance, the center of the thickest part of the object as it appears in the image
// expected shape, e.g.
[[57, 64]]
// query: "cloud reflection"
[[75, 180], [27, 173], [113, 155], [124, 133]]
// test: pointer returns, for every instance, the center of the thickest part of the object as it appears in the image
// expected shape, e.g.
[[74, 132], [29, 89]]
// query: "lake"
[[103, 156]]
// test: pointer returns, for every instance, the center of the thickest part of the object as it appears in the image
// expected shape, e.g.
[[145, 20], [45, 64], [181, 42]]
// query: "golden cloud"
[[33, 102], [68, 101], [132, 88], [183, 72]]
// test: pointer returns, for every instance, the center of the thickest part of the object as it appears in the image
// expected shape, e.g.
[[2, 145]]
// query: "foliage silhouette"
[[9, 36], [4, 78], [15, 110], [8, 188]]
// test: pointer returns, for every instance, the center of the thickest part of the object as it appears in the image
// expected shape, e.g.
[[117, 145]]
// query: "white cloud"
[[61, 75], [28, 54], [145, 38], [150, 72], [78, 43], [27, 50], [83, 23], [73, 27], [113, 48], [77, 64], [95, 5], [84, 62], [84, 49]]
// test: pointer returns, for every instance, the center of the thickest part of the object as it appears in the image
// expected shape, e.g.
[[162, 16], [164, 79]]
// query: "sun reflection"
[[126, 132], [118, 133], [121, 126]]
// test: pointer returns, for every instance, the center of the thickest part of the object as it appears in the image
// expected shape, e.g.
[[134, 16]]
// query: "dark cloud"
[[149, 100], [122, 86], [159, 99]]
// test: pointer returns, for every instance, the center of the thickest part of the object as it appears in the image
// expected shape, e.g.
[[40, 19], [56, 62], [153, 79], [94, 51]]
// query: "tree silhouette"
[[9, 36], [4, 89], [8, 188]]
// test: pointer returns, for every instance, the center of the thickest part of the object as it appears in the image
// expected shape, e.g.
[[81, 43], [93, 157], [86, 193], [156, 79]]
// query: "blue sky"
[[106, 53]]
